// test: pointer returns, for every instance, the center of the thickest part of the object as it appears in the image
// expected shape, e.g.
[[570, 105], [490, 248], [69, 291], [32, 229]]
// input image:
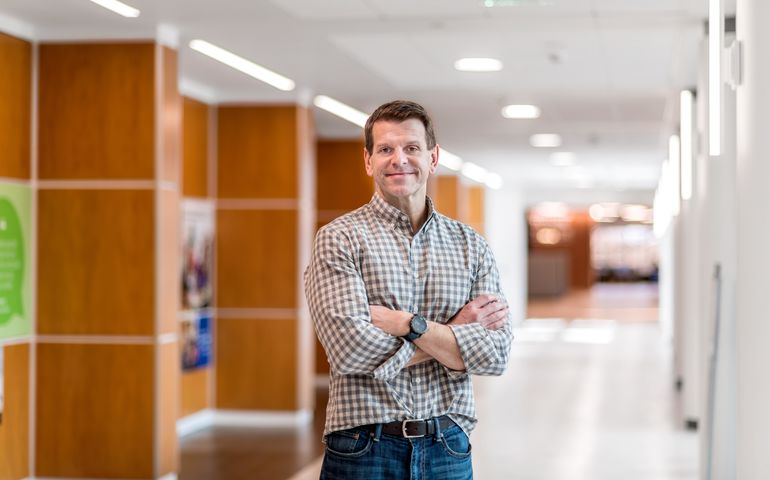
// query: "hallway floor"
[[585, 397]]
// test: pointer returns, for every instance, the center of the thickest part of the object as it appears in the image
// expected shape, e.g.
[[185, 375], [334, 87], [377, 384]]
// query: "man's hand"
[[393, 322], [487, 310]]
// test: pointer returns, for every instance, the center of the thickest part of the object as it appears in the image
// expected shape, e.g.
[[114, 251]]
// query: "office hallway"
[[582, 399]]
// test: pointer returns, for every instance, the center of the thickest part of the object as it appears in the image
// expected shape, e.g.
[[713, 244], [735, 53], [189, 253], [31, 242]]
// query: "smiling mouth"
[[397, 174]]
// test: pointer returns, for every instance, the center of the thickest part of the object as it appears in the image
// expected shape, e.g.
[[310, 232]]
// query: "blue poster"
[[196, 342]]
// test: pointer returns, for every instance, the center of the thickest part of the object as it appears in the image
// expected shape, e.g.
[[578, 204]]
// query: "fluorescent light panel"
[[563, 159], [494, 181], [674, 172], [450, 160], [241, 64], [545, 140], [521, 111], [479, 65], [118, 7], [716, 32], [685, 127], [342, 110]]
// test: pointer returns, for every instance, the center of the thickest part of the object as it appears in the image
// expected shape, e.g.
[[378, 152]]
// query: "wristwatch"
[[417, 326]]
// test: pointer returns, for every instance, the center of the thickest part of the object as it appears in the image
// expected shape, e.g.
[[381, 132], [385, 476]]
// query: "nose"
[[400, 158]]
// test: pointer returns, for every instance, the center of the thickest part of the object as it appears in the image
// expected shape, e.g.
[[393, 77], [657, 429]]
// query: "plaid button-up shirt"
[[371, 257]]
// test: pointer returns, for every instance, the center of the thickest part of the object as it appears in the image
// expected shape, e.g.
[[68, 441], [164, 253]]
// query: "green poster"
[[15, 265]]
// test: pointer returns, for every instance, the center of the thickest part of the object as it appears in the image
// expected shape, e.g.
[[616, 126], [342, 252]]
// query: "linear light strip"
[[118, 7], [716, 32], [445, 158], [243, 65], [674, 172], [685, 134]]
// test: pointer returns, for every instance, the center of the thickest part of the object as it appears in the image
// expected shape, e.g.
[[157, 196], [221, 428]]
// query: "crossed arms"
[[360, 339]]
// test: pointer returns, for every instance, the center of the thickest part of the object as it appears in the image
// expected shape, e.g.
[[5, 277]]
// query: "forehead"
[[387, 131]]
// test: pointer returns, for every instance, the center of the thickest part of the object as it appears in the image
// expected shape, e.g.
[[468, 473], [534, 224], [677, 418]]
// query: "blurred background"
[[164, 165]]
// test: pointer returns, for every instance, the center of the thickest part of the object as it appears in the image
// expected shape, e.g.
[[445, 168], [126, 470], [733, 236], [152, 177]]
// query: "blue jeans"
[[366, 453]]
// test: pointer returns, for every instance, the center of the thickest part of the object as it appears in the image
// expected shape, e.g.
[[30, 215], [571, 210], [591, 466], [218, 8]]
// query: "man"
[[407, 305]]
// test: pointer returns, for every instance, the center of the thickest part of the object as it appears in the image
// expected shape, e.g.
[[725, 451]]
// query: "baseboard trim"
[[250, 418], [242, 418], [194, 422]]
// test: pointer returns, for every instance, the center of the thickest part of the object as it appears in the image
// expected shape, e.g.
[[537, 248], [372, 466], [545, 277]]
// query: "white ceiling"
[[606, 73]]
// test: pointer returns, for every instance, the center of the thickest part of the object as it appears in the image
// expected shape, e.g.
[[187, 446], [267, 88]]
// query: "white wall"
[[753, 237], [506, 231], [718, 195]]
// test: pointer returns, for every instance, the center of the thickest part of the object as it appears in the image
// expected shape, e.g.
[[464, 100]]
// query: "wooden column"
[[343, 185], [265, 216], [108, 281], [196, 388], [16, 345], [475, 210], [449, 196]]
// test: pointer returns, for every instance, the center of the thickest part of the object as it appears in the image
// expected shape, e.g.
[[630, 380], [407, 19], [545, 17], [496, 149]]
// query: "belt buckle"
[[403, 428]]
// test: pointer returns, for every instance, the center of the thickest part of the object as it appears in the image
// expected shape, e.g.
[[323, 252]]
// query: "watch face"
[[418, 324]]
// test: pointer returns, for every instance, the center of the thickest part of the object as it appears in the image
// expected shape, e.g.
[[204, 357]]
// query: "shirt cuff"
[[472, 341], [393, 365]]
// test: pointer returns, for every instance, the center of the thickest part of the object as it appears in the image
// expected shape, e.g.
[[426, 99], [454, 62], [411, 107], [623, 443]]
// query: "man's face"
[[400, 162]]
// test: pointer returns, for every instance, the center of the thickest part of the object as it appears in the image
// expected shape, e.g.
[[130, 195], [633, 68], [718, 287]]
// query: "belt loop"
[[437, 422], [377, 432]]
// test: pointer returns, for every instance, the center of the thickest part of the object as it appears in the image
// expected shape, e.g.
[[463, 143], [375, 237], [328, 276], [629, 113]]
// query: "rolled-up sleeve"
[[485, 352], [340, 311]]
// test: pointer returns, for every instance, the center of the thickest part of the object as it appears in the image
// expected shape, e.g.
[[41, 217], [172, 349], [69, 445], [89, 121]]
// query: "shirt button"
[[416, 379]]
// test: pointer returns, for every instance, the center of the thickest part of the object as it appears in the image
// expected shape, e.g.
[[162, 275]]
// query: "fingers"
[[482, 300], [495, 320]]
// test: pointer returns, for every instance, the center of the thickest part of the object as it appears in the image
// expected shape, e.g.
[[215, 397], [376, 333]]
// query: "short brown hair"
[[399, 111]]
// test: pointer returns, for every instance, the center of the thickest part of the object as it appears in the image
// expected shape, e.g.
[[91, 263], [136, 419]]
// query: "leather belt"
[[417, 428]]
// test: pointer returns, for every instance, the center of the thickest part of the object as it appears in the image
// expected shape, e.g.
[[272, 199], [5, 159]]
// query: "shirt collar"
[[394, 216]]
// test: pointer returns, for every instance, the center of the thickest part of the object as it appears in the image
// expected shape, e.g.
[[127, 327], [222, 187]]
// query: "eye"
[[412, 149], [384, 150]]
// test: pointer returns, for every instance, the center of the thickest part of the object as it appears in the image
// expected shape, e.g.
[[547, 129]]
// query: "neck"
[[413, 206]]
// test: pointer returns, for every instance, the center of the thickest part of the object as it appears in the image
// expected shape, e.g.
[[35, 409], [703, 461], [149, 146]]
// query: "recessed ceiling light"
[[241, 64], [563, 159], [545, 140], [118, 7], [521, 111], [479, 65], [516, 3]]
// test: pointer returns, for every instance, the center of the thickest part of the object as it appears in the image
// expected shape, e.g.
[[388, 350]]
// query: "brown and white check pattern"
[[370, 257]]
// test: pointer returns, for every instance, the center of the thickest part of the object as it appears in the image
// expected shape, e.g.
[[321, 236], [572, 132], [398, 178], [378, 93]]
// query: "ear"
[[368, 163], [434, 159]]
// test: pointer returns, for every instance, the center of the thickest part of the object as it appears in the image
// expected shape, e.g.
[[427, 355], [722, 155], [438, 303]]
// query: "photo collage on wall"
[[15, 268], [197, 290]]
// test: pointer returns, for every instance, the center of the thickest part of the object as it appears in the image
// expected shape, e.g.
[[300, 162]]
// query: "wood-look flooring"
[[588, 395]]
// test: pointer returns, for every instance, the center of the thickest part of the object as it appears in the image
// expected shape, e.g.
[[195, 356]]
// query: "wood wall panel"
[[16, 102], [168, 408], [256, 361], [96, 111], [95, 411], [172, 118], [257, 152], [96, 262], [195, 148], [256, 255], [342, 180], [194, 391], [475, 209], [14, 428], [448, 196], [321, 362], [169, 268]]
